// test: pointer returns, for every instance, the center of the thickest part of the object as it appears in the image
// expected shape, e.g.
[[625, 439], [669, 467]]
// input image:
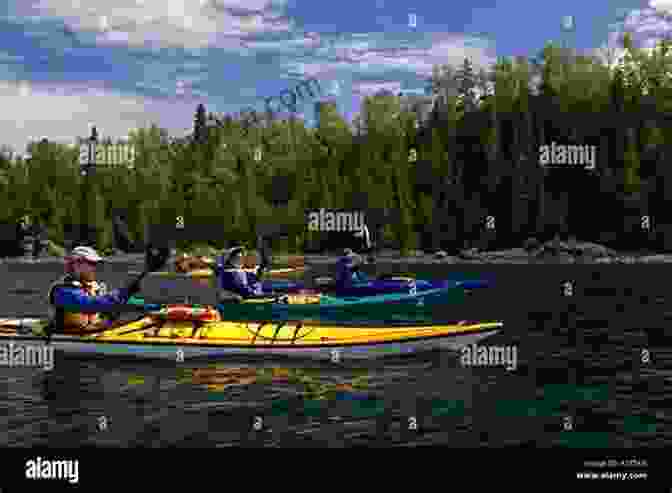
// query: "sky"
[[122, 64]]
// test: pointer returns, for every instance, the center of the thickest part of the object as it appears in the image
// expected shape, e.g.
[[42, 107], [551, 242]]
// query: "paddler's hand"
[[206, 262], [182, 264], [156, 258], [134, 287]]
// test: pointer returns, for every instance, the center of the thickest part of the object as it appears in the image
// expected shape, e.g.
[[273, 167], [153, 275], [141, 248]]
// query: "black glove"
[[133, 287], [156, 257]]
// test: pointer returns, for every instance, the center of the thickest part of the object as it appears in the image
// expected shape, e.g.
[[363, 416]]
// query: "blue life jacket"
[[346, 274], [238, 281], [74, 304]]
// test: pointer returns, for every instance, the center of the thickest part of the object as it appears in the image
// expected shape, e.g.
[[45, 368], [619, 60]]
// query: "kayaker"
[[235, 284], [348, 270], [77, 298], [185, 263]]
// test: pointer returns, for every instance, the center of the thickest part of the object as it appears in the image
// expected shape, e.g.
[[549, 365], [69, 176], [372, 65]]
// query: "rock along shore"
[[532, 252]]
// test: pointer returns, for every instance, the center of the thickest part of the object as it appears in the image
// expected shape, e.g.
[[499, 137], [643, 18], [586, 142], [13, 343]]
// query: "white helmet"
[[86, 253]]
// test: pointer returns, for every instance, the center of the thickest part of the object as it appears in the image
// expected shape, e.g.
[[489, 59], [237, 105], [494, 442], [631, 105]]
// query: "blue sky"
[[123, 64]]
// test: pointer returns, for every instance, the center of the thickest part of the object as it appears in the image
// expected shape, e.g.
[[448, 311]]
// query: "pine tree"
[[200, 125], [467, 84]]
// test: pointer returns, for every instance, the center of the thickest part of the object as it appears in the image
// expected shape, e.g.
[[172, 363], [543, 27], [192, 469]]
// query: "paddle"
[[155, 259], [368, 244], [265, 260]]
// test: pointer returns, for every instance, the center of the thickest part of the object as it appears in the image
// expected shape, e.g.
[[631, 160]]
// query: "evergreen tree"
[[467, 83], [200, 125], [215, 178]]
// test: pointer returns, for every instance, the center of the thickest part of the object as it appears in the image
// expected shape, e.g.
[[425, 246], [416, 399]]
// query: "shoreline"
[[579, 253]]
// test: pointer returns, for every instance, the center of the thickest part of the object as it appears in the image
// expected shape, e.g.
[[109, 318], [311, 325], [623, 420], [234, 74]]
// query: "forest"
[[467, 176]]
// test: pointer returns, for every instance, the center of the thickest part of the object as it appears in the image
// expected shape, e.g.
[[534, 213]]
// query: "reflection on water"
[[311, 384], [172, 405]]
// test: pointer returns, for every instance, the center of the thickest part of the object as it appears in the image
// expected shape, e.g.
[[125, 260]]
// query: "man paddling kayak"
[[235, 284], [348, 270], [77, 298]]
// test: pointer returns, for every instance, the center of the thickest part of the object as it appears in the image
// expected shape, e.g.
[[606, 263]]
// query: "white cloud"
[[63, 113], [191, 23], [286, 45], [23, 89], [195, 25], [372, 57], [649, 25], [661, 5], [371, 88], [103, 23]]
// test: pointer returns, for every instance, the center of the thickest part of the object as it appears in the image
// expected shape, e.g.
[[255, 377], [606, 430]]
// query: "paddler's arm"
[[238, 281], [214, 264], [75, 299], [188, 264], [217, 265], [252, 278], [208, 261]]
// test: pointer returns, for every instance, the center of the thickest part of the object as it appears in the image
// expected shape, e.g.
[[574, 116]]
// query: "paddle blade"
[[265, 260]]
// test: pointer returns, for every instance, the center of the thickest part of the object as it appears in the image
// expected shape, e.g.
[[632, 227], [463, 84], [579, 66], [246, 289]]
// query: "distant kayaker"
[[77, 298], [235, 284], [185, 263], [348, 270]]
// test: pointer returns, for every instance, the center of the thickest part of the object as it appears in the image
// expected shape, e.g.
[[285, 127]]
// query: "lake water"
[[593, 370]]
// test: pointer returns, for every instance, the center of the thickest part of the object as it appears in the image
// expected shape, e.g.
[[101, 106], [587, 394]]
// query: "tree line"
[[469, 175]]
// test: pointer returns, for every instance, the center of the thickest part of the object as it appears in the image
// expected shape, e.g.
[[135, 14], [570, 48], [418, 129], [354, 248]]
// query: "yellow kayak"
[[157, 337]]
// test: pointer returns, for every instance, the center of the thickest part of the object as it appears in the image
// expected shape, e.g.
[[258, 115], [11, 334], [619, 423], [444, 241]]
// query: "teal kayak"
[[380, 308], [374, 287]]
